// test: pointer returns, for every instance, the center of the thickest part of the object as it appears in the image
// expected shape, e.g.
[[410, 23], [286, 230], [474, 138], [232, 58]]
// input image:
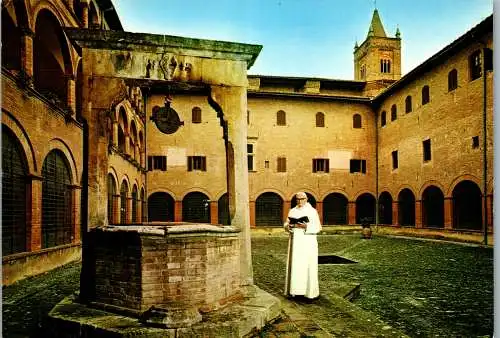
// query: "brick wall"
[[137, 270]]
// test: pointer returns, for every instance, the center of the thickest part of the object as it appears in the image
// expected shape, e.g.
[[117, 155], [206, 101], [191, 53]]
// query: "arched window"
[[134, 204], [356, 121], [383, 118], [394, 113], [51, 58], [57, 225], [408, 104], [281, 118], [123, 202], [320, 119], [11, 42], [196, 115], [143, 206], [122, 129], [14, 171], [425, 95], [452, 80], [112, 199]]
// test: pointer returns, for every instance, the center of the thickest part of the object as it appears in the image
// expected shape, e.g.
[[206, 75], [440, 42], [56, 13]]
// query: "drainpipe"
[[145, 213], [485, 157], [86, 273], [376, 172]]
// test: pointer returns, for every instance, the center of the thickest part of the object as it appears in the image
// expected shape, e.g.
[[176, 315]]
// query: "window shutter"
[[164, 164], [363, 166], [190, 163], [314, 166], [283, 166], [150, 163], [327, 165], [204, 163]]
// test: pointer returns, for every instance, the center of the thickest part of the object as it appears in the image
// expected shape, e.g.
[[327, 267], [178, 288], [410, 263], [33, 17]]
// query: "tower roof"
[[376, 27]]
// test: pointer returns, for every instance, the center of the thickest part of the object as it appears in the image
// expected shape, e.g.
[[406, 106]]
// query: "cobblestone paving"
[[425, 289]]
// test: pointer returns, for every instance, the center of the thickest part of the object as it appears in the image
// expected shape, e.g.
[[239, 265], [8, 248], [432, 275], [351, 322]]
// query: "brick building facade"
[[81, 147]]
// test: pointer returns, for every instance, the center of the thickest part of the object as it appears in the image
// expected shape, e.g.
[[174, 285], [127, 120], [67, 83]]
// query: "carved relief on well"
[[168, 67]]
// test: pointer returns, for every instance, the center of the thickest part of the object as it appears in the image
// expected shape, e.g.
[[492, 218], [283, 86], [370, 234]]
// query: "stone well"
[[182, 278]]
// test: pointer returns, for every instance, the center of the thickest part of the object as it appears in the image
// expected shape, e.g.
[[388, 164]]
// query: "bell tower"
[[379, 56]]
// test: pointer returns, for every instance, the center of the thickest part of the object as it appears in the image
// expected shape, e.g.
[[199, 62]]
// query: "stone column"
[[448, 213], [418, 214], [127, 145], [128, 213], [351, 213], [489, 201], [395, 213], [286, 209], [178, 211], [27, 52], [139, 211], [85, 12], [71, 93], [233, 104], [115, 133], [319, 208], [116, 209], [252, 213], [34, 213], [75, 212], [214, 212]]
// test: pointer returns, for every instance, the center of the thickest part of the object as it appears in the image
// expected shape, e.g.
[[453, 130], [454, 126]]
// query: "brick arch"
[[405, 186], [428, 184], [332, 191], [69, 63], [112, 172], [126, 179], [13, 124], [304, 190], [197, 189], [167, 191], [57, 143], [458, 179], [256, 195], [361, 192], [219, 194], [386, 188]]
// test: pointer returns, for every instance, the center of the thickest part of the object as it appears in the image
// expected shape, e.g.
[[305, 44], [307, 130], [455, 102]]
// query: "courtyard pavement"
[[401, 287]]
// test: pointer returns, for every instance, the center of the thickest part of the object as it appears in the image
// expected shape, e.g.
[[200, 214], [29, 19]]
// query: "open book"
[[303, 219]]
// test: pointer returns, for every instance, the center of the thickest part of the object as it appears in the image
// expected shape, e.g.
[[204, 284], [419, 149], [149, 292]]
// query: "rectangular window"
[[250, 156], [266, 164], [488, 59], [321, 165], [475, 65], [427, 150], [281, 164], [157, 163], [357, 166], [197, 163], [395, 163], [475, 142]]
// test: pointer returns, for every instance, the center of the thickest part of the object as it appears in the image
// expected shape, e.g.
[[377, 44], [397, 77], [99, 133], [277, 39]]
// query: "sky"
[[308, 38]]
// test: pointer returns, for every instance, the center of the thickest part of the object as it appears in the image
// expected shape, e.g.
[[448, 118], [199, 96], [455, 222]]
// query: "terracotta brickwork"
[[198, 271]]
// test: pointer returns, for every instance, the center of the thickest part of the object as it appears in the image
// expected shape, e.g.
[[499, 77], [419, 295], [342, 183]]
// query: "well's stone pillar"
[[233, 103]]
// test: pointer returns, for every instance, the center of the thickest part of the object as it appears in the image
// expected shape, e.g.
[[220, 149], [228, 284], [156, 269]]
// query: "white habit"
[[302, 262]]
